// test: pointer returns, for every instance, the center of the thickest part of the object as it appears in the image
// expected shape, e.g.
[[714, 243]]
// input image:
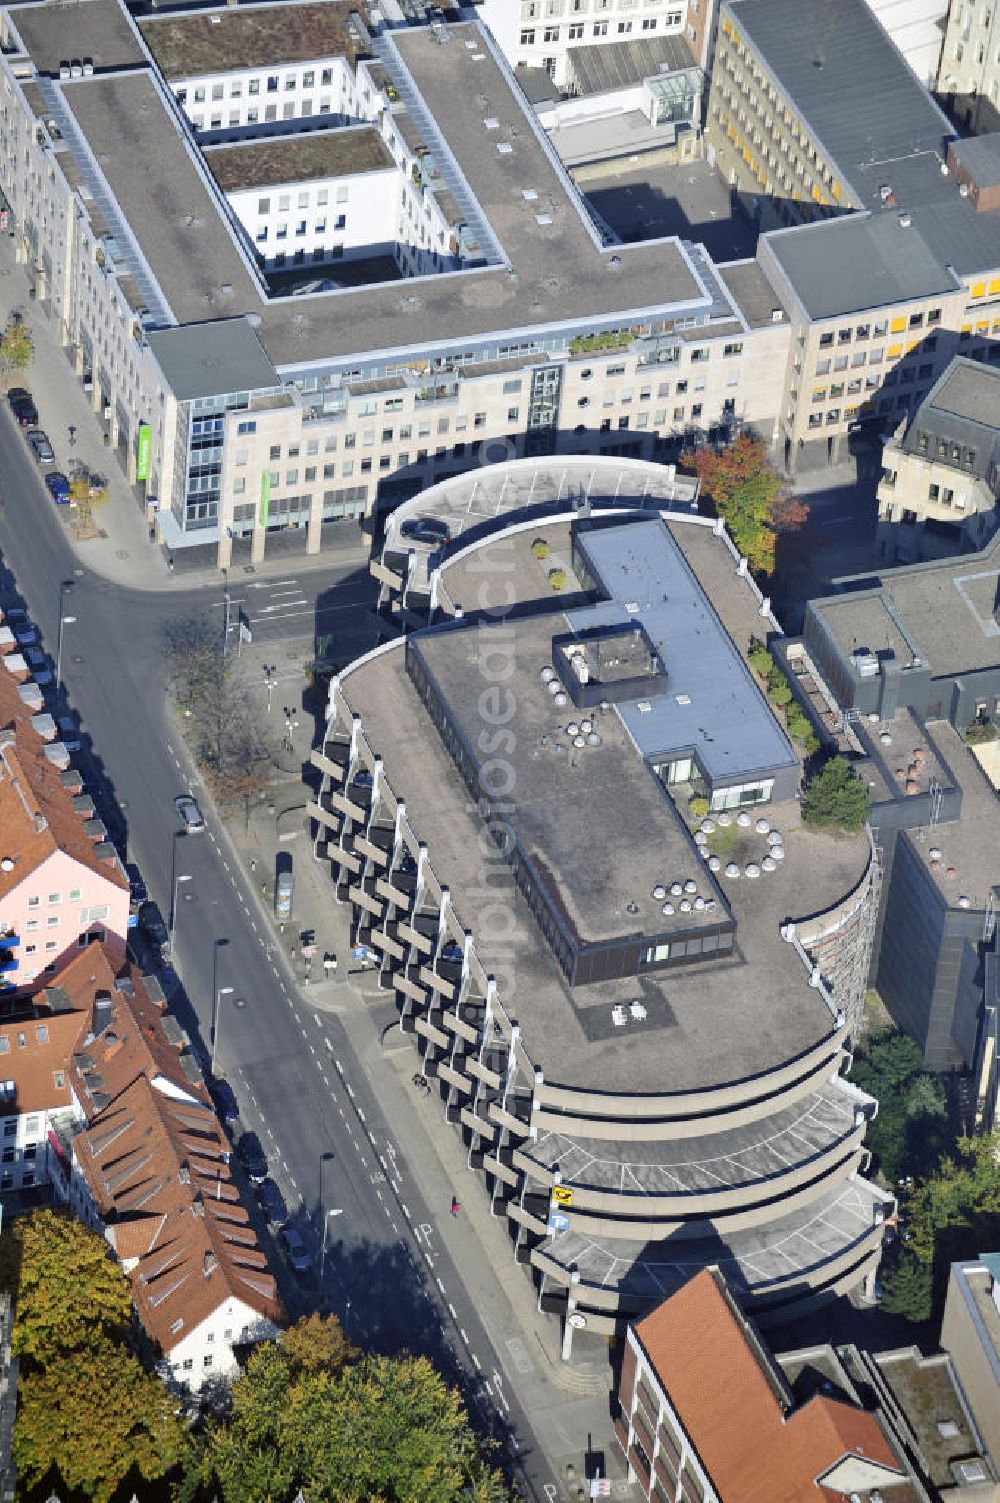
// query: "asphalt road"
[[296, 1076]]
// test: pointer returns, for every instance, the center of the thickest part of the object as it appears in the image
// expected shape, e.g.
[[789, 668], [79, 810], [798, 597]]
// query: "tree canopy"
[[952, 1215], [311, 1413], [836, 798], [747, 491], [16, 346], [88, 1412], [910, 1135]]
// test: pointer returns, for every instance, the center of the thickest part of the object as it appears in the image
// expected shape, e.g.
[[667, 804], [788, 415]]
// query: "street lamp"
[[227, 599], [270, 669], [180, 877], [290, 725], [223, 991], [63, 621]]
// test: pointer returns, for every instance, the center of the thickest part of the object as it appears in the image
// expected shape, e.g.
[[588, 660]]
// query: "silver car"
[[190, 814], [40, 446]]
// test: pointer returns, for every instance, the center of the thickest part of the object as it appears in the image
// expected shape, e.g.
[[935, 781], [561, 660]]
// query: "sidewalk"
[[567, 1403], [123, 553]]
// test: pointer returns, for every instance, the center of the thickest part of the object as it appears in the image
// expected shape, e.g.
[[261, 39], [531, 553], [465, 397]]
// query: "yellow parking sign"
[[562, 1195]]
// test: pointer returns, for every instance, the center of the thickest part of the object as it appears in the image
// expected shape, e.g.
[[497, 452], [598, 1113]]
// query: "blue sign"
[[133, 921], [558, 1221], [360, 952]]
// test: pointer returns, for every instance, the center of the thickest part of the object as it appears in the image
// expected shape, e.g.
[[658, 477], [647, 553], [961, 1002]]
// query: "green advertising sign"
[[265, 497], [142, 452]]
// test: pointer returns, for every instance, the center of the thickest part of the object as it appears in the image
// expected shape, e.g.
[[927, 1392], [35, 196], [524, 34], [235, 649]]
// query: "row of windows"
[[55, 897], [879, 328], [575, 31], [268, 85], [301, 228], [303, 200]]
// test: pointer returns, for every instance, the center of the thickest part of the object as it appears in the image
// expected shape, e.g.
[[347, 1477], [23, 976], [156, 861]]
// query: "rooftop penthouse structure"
[[614, 993]]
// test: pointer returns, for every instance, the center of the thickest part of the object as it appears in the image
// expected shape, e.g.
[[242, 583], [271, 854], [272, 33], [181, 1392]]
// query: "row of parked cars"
[[251, 1155], [22, 405]]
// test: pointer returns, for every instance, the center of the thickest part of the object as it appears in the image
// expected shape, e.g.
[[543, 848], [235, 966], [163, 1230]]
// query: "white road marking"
[[464, 1335], [452, 1311], [440, 1285], [406, 1211], [350, 1091], [362, 1115], [477, 1364]]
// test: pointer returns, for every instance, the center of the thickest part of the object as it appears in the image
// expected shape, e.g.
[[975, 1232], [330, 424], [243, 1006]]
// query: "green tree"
[[88, 493], [836, 798], [746, 490], [16, 346], [310, 1413], [952, 1215], [87, 1409], [94, 1416], [70, 1292], [910, 1135]]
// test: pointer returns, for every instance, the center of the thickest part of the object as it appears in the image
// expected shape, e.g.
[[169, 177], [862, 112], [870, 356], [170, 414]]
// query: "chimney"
[[210, 1264]]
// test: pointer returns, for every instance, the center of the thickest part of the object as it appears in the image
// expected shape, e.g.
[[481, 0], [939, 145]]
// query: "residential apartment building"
[[969, 70], [104, 1105], [941, 469], [484, 315], [62, 886], [569, 1007], [887, 262], [707, 1413]]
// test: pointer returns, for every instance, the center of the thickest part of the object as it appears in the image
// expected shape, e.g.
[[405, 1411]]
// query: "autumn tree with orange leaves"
[[742, 486]]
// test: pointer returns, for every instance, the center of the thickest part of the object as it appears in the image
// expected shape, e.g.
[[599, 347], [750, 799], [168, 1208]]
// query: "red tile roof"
[[157, 1166], [753, 1445]]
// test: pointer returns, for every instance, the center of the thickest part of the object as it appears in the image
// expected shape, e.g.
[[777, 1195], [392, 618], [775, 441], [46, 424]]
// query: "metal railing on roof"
[[128, 255], [448, 174]]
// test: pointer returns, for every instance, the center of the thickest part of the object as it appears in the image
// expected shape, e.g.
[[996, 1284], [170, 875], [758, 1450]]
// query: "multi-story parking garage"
[[567, 821]]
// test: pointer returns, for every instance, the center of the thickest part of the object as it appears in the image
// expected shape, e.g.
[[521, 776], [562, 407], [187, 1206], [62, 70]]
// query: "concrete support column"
[[258, 545], [567, 1341], [225, 554], [314, 527]]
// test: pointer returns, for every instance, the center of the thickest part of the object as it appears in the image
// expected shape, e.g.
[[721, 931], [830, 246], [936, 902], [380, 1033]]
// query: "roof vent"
[[215, 20], [491, 122], [41, 824], [777, 315], [543, 218], [683, 699], [905, 221], [615, 263], [643, 706], [7, 864], [504, 148], [530, 194], [963, 188]]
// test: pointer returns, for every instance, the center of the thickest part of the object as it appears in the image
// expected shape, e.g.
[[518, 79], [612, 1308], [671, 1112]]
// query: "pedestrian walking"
[[456, 1206], [329, 964]]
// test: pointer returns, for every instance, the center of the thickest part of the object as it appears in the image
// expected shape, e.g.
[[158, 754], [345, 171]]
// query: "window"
[[527, 38], [34, 902], [41, 1034], [241, 428], [58, 1080]]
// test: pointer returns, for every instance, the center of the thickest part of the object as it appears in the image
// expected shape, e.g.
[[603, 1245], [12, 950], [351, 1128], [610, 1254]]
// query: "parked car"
[[225, 1101], [23, 406], [69, 733], [272, 1202], [38, 665], [189, 812], [58, 488], [426, 530], [137, 887], [251, 1156], [296, 1250], [40, 446], [152, 925], [25, 633]]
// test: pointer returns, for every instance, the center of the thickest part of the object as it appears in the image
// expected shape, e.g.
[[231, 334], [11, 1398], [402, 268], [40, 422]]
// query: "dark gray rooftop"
[[860, 261], [211, 359], [184, 231], [846, 78], [713, 704], [963, 407], [56, 34], [752, 292], [759, 1002], [621, 65]]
